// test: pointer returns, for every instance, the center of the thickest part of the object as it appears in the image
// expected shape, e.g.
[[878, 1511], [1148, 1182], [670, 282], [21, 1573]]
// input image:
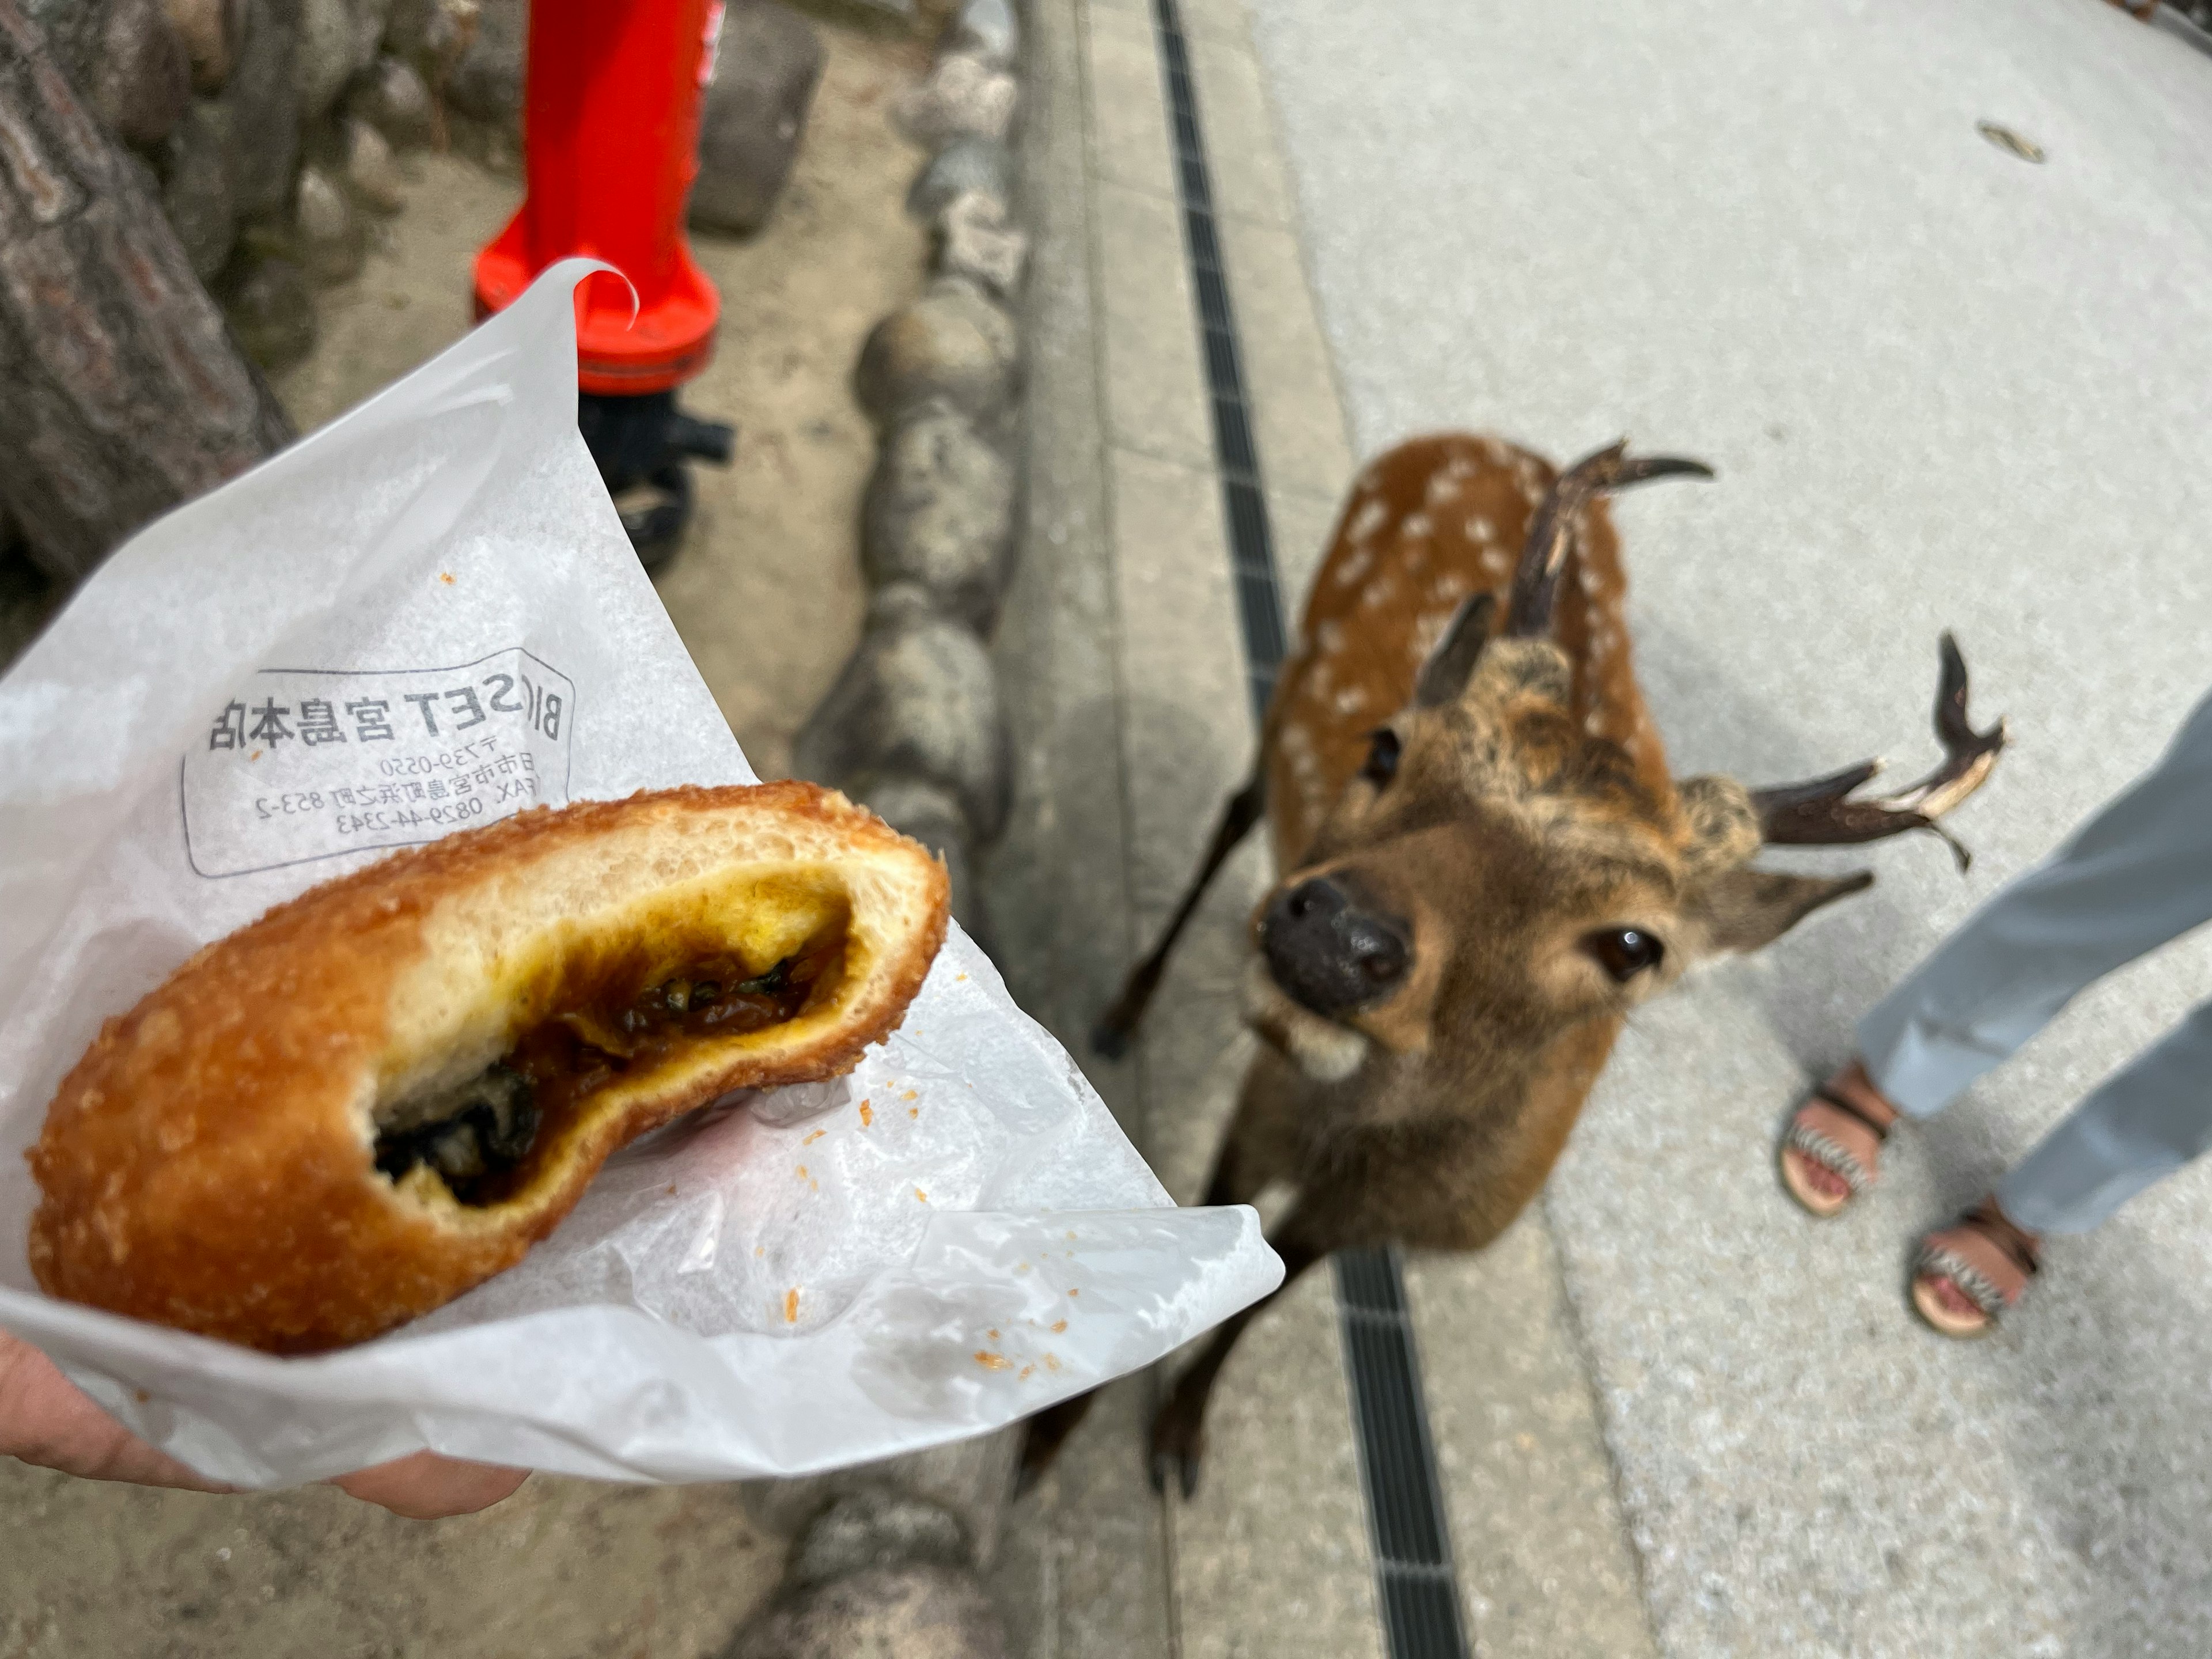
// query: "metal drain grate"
[[1416, 1585]]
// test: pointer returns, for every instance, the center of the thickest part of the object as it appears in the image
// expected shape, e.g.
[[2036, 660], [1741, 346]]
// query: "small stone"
[[327, 58], [975, 240], [766, 68], [985, 29], [953, 343], [265, 113], [964, 97], [328, 233], [391, 97], [434, 35], [198, 198], [370, 19], [372, 170], [916, 699], [485, 83], [939, 512], [887, 1612], [139, 79], [211, 32], [270, 310], [962, 167], [880, 1528]]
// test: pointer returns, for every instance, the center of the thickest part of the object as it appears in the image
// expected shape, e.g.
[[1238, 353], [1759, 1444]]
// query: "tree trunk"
[[121, 392]]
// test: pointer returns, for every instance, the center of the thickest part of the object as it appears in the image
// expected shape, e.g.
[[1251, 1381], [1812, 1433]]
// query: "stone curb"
[[887, 1559]]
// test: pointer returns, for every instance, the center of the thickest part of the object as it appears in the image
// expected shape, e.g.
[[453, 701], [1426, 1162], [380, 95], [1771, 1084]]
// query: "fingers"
[[428, 1488], [46, 1420]]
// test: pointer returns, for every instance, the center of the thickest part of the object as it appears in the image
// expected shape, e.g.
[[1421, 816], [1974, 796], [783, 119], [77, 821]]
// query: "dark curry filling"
[[478, 1135]]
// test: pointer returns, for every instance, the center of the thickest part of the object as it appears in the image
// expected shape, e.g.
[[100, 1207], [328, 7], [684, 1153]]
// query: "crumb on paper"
[[914, 1111], [1051, 1361], [1021, 1266], [1058, 1325], [791, 1307], [921, 1195], [911, 1094], [802, 1172], [1071, 1236], [993, 1362], [1075, 1293], [994, 1335], [1027, 1371], [960, 979], [760, 1250], [816, 1136], [672, 1189], [446, 577], [867, 1115]]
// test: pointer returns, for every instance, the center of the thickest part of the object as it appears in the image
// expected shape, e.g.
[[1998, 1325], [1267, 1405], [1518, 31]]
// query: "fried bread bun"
[[385, 1091]]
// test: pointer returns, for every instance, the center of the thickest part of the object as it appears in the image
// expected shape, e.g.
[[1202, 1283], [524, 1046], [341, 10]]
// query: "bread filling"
[[487, 1136]]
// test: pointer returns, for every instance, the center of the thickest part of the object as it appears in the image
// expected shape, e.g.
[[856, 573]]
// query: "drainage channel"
[[1416, 1585]]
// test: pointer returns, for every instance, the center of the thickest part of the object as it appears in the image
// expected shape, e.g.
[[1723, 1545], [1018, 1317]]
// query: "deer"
[[1485, 866]]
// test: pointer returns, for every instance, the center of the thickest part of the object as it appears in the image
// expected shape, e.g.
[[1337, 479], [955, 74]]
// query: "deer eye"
[[1625, 952], [1382, 751]]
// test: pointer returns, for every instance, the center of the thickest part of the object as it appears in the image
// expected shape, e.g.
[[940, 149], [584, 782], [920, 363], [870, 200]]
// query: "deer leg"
[[1245, 808], [1045, 1434], [1178, 1438]]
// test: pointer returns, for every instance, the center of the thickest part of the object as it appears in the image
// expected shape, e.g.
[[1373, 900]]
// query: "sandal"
[[1828, 1154], [1965, 1275]]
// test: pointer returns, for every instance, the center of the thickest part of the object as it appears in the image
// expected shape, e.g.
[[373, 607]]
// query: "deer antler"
[[1551, 531], [1816, 813]]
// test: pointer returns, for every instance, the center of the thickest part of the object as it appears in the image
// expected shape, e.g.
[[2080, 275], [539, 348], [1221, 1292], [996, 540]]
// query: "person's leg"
[[2135, 876], [2144, 1121]]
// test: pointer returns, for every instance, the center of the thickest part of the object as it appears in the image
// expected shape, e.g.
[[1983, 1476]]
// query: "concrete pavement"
[[1942, 387]]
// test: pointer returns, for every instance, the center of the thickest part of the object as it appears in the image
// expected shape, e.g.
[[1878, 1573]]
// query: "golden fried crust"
[[209, 1163]]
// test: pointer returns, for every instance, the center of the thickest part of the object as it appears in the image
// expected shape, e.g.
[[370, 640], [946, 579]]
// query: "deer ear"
[[1742, 909], [1445, 674]]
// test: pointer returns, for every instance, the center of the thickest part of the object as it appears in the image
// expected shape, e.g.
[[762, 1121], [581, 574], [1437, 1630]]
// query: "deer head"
[[1495, 875]]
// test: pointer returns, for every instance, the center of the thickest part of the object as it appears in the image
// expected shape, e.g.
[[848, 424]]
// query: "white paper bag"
[[423, 618]]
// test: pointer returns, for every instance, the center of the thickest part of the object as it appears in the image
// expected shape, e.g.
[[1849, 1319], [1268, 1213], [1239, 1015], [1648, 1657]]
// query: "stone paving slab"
[[1943, 386]]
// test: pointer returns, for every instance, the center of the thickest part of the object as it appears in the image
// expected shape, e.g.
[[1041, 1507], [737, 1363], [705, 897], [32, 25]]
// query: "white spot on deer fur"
[[1479, 529], [1588, 582], [1496, 562], [1379, 593], [1493, 452], [1368, 520], [1417, 525], [1443, 487], [1354, 569], [1595, 723], [1459, 466], [1351, 700], [1329, 636]]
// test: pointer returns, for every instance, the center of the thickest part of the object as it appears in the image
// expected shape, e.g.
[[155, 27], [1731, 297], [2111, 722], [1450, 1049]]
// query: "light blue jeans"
[[2137, 875]]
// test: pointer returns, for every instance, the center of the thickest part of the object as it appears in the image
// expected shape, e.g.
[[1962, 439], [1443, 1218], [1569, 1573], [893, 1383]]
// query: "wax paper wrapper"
[[420, 619]]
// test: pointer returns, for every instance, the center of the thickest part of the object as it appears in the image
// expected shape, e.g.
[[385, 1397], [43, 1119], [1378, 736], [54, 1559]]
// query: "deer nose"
[[1329, 952]]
